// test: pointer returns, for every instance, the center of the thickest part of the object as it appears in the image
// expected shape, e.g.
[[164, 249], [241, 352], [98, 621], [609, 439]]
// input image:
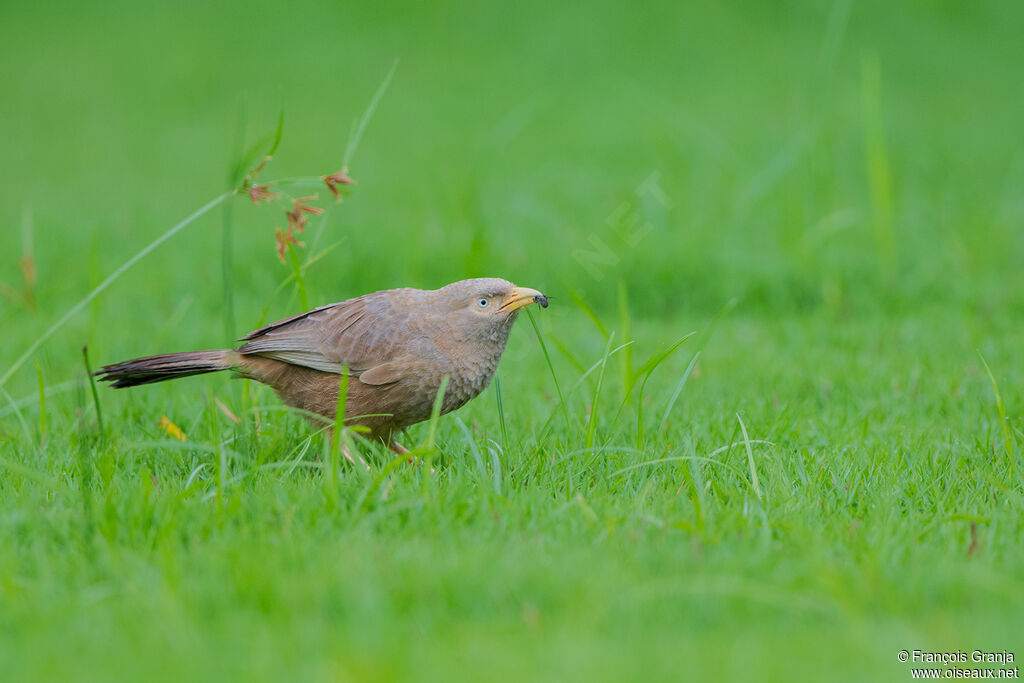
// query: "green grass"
[[830, 197]]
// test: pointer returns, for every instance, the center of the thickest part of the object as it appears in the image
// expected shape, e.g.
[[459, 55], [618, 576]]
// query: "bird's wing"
[[360, 334]]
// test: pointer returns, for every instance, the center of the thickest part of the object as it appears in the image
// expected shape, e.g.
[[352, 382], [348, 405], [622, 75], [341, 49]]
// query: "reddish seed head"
[[260, 193], [297, 216], [283, 239], [299, 205], [335, 179]]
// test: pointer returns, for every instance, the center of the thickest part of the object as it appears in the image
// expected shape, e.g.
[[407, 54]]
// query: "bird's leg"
[[348, 456], [402, 450]]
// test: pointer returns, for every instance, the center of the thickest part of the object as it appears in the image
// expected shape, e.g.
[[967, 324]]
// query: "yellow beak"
[[523, 296]]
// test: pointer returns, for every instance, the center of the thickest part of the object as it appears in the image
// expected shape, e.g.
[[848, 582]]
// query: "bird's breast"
[[470, 372], [469, 364]]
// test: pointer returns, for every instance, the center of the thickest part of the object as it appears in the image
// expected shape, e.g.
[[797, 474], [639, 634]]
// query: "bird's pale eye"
[[483, 302]]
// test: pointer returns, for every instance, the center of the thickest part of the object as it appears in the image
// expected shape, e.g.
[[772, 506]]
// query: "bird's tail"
[[166, 366]]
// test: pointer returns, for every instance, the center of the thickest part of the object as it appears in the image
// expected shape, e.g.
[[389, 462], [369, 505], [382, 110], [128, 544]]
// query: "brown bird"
[[396, 347]]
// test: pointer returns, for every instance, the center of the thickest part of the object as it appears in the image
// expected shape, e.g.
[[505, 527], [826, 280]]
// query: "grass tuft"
[[595, 397], [95, 395], [755, 481], [1004, 422]]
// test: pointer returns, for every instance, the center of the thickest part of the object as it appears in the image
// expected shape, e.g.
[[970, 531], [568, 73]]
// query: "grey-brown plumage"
[[396, 346]]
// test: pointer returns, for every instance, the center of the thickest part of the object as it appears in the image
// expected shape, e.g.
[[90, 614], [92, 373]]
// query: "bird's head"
[[488, 304]]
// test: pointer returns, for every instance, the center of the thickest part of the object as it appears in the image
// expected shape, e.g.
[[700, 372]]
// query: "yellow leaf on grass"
[[170, 428]]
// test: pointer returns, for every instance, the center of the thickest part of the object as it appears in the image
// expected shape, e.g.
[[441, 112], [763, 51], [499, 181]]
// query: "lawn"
[[827, 471]]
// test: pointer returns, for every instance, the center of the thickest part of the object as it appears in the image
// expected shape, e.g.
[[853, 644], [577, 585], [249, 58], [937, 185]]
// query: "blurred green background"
[[512, 139], [851, 174]]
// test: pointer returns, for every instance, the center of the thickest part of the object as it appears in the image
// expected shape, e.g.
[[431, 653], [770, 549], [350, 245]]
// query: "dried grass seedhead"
[[260, 193], [284, 238], [336, 182], [297, 216]]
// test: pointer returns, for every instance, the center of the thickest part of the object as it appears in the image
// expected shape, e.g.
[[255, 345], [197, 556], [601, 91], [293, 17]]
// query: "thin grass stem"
[[596, 397], [357, 137], [96, 291], [95, 394], [551, 367], [42, 405]]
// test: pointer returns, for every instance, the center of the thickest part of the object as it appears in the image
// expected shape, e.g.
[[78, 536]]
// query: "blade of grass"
[[339, 409], [596, 397], [679, 389], [300, 280], [212, 422], [249, 159], [429, 449], [247, 167], [42, 405], [551, 368], [17, 412], [626, 359], [86, 446], [95, 394], [710, 459], [496, 466], [729, 306], [290, 277], [567, 353], [435, 414], [501, 411], [1004, 422], [645, 372], [278, 133], [474, 450], [577, 385], [59, 388], [754, 480], [336, 433], [582, 305], [354, 141]]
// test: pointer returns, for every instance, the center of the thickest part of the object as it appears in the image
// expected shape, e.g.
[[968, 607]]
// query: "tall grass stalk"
[[755, 481], [501, 412], [337, 438], [626, 359], [589, 312], [644, 374], [435, 415], [551, 368], [42, 405], [678, 390], [1004, 421], [596, 396], [95, 394], [300, 279], [360, 126]]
